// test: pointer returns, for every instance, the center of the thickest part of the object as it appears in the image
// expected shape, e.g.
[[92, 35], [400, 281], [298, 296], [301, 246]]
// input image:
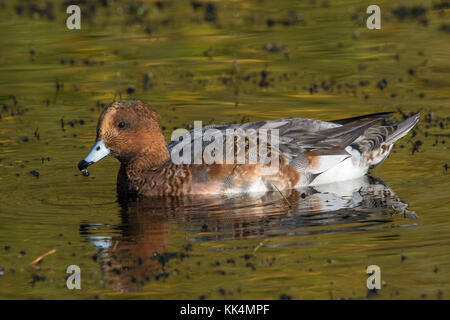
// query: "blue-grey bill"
[[98, 152]]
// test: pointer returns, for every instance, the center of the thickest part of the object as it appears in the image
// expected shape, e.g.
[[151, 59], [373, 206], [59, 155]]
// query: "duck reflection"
[[139, 253]]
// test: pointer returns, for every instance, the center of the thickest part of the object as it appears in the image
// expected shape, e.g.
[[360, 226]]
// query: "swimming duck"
[[308, 152]]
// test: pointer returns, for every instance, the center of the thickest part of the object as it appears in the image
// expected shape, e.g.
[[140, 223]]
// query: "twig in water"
[[39, 259], [258, 246], [285, 199]]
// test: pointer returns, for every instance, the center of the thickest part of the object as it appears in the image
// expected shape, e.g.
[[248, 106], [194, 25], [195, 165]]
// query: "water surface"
[[231, 61]]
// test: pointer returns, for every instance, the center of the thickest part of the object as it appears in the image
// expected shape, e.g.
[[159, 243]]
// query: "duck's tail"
[[403, 128], [376, 143]]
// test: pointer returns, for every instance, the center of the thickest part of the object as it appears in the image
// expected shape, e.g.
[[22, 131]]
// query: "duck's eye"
[[121, 125]]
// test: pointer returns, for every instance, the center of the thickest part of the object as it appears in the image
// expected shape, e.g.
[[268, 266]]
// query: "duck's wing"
[[301, 142], [285, 127]]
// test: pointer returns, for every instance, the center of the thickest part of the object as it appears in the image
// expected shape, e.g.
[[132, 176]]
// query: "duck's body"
[[308, 152]]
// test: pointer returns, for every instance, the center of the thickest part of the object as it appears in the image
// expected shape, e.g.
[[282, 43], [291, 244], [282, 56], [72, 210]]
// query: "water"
[[191, 65]]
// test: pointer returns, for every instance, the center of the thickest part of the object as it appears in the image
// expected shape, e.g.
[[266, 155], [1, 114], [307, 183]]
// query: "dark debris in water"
[[371, 293], [221, 272], [42, 9], [188, 247], [35, 173], [263, 83], [445, 27], [382, 84], [416, 146], [165, 257], [12, 110], [36, 278], [274, 48], [414, 12], [211, 12], [444, 4], [293, 18], [250, 265]]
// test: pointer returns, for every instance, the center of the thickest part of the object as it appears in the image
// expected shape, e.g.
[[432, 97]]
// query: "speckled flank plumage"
[[309, 152]]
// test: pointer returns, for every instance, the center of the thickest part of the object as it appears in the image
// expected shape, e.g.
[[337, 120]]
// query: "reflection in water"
[[139, 253]]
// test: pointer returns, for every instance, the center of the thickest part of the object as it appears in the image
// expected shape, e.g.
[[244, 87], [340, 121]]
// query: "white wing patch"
[[322, 163]]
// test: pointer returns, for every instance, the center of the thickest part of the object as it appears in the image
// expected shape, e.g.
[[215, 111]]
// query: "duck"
[[306, 152]]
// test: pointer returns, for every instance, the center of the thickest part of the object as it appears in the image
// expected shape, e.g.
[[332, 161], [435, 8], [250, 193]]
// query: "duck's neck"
[[149, 159]]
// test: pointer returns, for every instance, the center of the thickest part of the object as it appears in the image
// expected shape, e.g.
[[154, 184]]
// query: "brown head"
[[128, 130]]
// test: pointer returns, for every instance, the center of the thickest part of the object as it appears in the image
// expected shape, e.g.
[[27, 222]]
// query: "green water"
[[207, 64]]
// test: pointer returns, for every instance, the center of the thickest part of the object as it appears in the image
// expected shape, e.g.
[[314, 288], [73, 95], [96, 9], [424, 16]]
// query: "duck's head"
[[128, 130]]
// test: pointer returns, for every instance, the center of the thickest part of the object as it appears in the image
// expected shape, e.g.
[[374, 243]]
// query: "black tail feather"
[[380, 115]]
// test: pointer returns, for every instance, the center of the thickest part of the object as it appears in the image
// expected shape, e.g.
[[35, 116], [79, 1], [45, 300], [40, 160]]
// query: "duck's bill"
[[98, 152]]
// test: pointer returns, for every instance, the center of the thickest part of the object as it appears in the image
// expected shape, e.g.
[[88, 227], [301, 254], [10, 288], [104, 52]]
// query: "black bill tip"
[[82, 165]]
